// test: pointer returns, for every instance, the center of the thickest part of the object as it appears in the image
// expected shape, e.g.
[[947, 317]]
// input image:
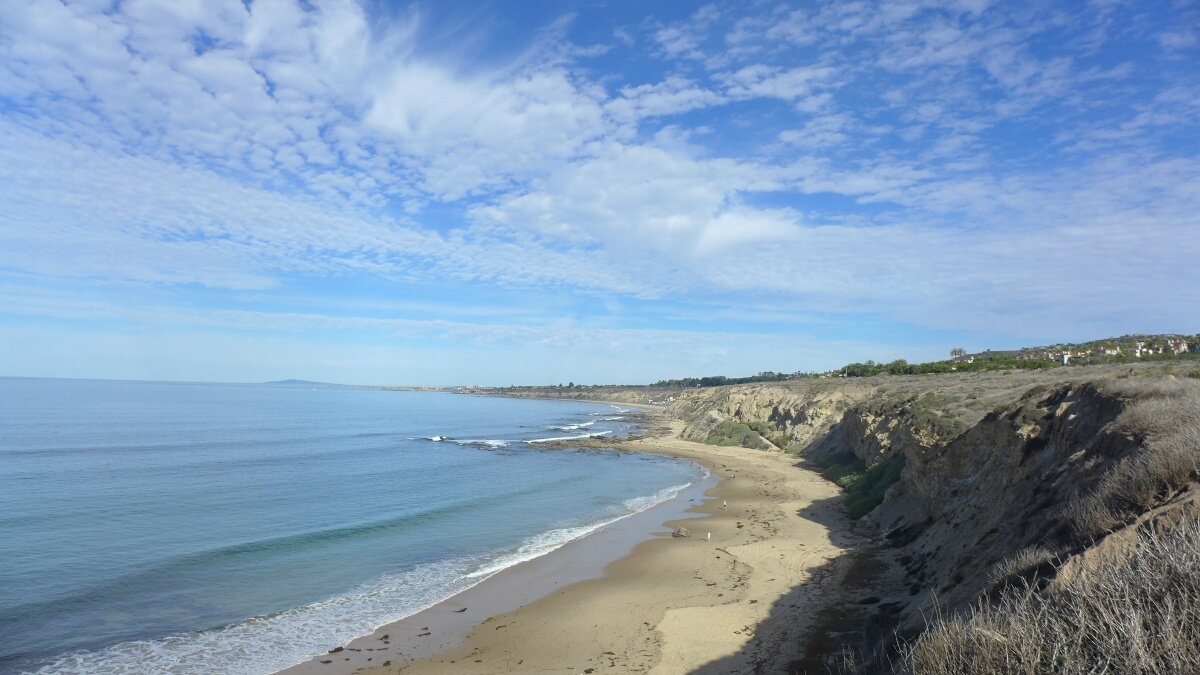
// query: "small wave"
[[615, 409], [568, 438], [637, 504], [541, 544], [573, 427], [488, 442], [269, 644]]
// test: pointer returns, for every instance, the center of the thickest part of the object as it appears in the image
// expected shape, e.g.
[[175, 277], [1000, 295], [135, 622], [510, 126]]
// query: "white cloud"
[[684, 39], [762, 81], [853, 157], [818, 132], [632, 196], [672, 96], [496, 130]]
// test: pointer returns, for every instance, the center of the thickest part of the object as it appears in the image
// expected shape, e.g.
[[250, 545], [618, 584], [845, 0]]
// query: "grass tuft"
[[1017, 568], [1133, 613], [1168, 416]]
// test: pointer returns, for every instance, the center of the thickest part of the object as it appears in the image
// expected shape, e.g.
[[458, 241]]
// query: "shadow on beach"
[[803, 627]]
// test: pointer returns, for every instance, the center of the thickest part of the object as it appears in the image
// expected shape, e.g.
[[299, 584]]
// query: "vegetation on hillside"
[[979, 364], [1136, 437], [746, 434], [721, 380], [1132, 608], [1138, 612], [1167, 414], [1030, 358], [865, 487]]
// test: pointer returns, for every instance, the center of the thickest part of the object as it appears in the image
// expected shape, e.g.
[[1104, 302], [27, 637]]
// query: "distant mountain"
[[303, 382]]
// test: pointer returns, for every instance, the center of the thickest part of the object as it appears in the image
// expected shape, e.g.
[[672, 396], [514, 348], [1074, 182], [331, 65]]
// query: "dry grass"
[[1017, 567], [1165, 412], [1138, 614]]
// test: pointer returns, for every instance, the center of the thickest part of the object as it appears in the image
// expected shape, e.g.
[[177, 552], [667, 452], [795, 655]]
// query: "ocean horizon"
[[242, 528]]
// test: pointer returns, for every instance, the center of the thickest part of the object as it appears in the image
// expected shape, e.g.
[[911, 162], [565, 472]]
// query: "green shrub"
[[864, 486], [734, 434], [867, 492]]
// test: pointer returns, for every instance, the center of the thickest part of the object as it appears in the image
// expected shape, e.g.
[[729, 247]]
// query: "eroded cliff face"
[[804, 413], [990, 466], [1001, 486], [872, 418], [976, 486]]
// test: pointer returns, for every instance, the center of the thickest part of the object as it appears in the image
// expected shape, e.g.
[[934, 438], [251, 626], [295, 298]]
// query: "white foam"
[[541, 544], [637, 504], [491, 443], [573, 427], [614, 407], [568, 438], [269, 644]]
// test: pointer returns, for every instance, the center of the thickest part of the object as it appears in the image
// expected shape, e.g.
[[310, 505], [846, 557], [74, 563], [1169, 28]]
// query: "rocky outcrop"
[[802, 413]]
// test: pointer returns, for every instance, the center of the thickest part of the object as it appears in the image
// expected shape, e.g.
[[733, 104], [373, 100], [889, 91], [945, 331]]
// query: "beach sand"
[[736, 604]]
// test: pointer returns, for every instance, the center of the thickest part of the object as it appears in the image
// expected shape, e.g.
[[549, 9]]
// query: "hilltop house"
[[1176, 346]]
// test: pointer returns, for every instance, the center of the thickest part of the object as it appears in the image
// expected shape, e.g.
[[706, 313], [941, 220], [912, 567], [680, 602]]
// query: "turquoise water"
[[194, 528]]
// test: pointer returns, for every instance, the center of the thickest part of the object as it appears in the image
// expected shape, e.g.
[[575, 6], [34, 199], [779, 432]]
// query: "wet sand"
[[632, 598]]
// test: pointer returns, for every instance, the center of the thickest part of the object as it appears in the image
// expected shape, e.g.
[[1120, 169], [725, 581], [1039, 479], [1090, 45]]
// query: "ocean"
[[239, 529]]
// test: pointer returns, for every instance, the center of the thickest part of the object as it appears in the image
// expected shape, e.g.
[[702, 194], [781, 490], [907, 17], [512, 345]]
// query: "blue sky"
[[512, 193]]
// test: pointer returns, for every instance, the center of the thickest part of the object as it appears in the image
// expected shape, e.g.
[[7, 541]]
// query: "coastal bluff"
[[997, 513], [991, 491]]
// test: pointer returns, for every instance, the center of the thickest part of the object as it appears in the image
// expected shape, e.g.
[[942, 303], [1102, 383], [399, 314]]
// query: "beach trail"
[[738, 603]]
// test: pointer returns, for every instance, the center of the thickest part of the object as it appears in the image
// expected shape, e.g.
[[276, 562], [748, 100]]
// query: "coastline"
[[633, 597]]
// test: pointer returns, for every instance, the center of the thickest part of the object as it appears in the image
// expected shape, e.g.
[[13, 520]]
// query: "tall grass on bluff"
[[1167, 414], [1136, 613], [1020, 565]]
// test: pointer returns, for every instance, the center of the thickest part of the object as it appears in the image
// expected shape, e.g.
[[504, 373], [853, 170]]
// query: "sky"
[[496, 193]]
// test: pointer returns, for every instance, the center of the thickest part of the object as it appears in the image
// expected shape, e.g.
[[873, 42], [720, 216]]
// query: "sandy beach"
[[737, 603]]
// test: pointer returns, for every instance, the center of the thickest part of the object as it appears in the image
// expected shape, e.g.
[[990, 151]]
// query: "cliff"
[[976, 484]]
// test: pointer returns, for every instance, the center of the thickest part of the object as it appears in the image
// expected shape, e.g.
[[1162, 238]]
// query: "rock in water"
[[681, 532]]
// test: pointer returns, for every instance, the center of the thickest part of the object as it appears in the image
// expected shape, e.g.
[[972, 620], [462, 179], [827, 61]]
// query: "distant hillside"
[[1124, 350]]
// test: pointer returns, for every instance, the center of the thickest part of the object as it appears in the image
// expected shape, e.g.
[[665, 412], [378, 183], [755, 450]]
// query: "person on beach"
[[724, 504]]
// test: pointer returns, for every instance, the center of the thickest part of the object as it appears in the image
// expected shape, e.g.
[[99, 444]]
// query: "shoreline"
[[632, 596], [643, 407]]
